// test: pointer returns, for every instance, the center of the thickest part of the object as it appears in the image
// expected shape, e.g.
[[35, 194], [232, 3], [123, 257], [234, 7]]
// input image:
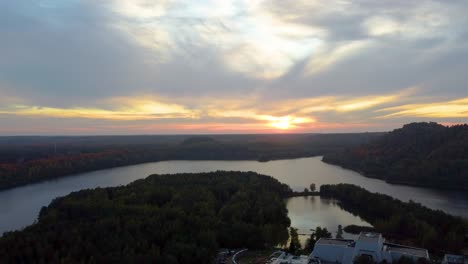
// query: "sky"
[[94, 67]]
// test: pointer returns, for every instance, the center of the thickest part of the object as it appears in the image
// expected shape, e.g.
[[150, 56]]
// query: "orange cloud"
[[336, 104], [249, 113], [451, 109], [142, 112]]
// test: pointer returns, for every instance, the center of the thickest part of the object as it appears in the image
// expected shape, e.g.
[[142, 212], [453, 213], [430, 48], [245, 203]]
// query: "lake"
[[308, 213], [19, 207]]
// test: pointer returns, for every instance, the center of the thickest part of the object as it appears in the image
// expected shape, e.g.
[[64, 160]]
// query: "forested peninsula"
[[187, 218], [420, 154], [407, 223], [179, 218]]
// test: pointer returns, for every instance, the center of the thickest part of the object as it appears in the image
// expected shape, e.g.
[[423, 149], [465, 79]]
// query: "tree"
[[312, 187], [424, 154], [294, 244], [322, 233], [316, 235], [178, 218], [403, 221], [339, 233]]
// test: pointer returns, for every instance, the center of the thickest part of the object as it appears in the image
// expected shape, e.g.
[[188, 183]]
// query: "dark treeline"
[[424, 154], [179, 218], [356, 229], [406, 222], [25, 160]]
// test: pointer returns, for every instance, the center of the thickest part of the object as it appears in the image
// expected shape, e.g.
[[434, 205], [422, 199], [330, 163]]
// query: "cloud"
[[323, 59], [190, 64], [247, 39], [281, 114], [111, 109], [450, 109]]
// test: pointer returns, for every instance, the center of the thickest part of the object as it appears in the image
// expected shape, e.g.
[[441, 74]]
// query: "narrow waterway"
[[309, 212], [19, 207]]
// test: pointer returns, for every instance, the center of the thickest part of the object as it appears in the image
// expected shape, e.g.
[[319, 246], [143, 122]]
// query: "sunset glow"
[[282, 123], [149, 94], [137, 66], [286, 122]]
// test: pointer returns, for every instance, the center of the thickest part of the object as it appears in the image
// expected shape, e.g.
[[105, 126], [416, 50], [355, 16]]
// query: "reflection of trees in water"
[[327, 201], [350, 209], [330, 201]]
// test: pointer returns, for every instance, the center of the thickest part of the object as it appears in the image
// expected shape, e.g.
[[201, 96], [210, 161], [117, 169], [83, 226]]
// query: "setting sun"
[[282, 123], [190, 123], [287, 122]]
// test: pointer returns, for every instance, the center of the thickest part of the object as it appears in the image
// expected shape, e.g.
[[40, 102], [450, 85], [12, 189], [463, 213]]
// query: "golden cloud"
[[139, 110], [450, 109], [294, 114], [341, 104]]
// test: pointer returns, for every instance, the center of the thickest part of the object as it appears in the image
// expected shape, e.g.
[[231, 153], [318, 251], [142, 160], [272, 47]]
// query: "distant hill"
[[26, 160], [195, 140], [424, 154]]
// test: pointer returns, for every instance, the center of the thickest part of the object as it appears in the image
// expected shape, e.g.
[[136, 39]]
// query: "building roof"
[[369, 237], [418, 252], [290, 259], [335, 242], [455, 259]]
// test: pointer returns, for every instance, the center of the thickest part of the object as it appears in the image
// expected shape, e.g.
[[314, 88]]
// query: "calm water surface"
[[19, 207], [309, 212]]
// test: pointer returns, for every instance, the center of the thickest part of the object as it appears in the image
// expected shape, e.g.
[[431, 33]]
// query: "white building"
[[370, 245], [454, 259], [282, 257]]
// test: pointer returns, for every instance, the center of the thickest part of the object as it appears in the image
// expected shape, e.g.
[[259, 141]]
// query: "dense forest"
[[25, 160], [423, 154], [179, 218], [406, 222]]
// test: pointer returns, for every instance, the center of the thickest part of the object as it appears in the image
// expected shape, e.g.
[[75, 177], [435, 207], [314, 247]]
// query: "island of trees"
[[423, 154], [179, 218]]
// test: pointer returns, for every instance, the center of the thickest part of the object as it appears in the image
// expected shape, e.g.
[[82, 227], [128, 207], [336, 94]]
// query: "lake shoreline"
[[363, 174], [402, 183], [20, 206], [303, 194], [54, 178]]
